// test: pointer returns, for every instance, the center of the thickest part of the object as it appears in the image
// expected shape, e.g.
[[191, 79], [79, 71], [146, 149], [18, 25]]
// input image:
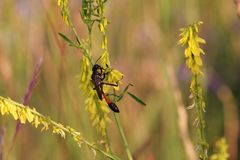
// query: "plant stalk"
[[129, 155], [200, 114]]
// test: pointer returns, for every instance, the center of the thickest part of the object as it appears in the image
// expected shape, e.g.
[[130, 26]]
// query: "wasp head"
[[97, 68]]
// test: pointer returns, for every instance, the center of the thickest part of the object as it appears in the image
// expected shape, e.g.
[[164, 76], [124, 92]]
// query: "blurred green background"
[[143, 39]]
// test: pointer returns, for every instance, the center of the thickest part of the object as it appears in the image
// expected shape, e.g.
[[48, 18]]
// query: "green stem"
[[108, 148], [101, 151], [116, 116], [80, 46], [200, 115]]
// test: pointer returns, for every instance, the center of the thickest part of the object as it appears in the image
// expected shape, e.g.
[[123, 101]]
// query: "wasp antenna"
[[98, 59]]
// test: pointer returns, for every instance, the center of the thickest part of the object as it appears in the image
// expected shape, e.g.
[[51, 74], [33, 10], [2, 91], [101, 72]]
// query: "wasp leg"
[[104, 75], [114, 96], [110, 84], [121, 95]]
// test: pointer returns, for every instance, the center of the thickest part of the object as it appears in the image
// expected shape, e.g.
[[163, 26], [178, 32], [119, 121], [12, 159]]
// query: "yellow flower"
[[189, 37], [64, 11], [26, 114], [221, 150], [22, 116], [97, 109], [36, 121], [114, 75], [45, 125], [59, 131], [29, 115]]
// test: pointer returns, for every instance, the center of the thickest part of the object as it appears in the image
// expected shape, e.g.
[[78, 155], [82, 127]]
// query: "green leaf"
[[137, 99], [66, 39]]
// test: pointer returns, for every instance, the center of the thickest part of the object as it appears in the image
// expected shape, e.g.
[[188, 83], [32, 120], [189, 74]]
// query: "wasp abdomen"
[[113, 107]]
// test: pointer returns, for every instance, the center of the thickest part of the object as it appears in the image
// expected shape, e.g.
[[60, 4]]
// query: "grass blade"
[[136, 99], [66, 38]]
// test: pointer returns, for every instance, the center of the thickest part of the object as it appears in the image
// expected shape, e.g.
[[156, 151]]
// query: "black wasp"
[[98, 75]]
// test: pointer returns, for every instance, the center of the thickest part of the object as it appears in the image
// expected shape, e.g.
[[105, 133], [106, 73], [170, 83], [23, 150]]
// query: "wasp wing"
[[97, 86], [99, 92]]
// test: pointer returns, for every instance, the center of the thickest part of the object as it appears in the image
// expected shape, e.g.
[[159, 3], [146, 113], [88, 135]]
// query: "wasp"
[[98, 75]]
